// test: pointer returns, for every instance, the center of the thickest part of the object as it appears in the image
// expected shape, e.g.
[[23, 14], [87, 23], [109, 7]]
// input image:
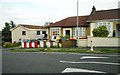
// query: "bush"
[[10, 45], [100, 31], [67, 37]]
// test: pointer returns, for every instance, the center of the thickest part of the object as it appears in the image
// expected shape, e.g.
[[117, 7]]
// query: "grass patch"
[[24, 51], [72, 50], [110, 51]]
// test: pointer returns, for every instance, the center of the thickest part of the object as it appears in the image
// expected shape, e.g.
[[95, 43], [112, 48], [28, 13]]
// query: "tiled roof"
[[70, 22], [105, 14], [32, 26]]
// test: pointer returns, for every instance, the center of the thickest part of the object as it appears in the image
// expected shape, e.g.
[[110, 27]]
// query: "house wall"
[[61, 32], [17, 34], [88, 31], [82, 43], [48, 29], [30, 34], [114, 25], [72, 32]]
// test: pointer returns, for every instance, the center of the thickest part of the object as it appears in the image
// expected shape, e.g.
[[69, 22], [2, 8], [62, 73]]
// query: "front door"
[[67, 32]]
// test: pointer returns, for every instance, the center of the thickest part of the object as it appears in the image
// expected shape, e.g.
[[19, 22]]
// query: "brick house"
[[67, 26], [110, 18]]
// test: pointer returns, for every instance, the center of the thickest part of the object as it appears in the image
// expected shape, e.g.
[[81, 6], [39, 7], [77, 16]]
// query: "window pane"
[[82, 31], [38, 32], [55, 31], [43, 32], [23, 32]]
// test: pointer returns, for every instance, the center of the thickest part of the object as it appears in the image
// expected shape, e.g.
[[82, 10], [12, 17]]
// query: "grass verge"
[[73, 50]]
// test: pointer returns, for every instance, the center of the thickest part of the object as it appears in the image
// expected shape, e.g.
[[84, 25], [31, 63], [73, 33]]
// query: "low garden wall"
[[104, 41], [82, 43], [99, 42]]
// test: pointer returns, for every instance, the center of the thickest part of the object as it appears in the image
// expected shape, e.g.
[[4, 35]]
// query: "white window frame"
[[24, 33], [57, 29], [109, 26], [81, 31], [37, 32]]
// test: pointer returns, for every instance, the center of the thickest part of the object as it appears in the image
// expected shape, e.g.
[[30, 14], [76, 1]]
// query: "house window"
[[75, 32], [81, 32], [38, 32], [109, 26], [55, 31], [23, 32], [43, 32]]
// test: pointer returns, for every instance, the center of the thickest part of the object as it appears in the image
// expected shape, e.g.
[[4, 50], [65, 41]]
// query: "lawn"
[[72, 50]]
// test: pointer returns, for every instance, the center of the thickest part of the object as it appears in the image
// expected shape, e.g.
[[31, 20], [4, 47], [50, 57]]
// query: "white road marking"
[[91, 57], [68, 70], [94, 54], [107, 63]]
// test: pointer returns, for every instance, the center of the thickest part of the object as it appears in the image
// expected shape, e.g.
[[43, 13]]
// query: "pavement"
[[55, 62]]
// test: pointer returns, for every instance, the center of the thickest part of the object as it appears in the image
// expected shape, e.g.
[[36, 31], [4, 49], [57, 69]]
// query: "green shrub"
[[100, 31], [10, 45], [66, 37]]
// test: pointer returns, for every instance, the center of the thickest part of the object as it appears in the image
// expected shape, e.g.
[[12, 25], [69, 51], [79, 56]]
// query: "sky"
[[38, 12]]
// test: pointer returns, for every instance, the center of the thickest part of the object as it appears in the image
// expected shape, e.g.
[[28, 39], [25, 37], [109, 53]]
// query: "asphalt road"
[[43, 62]]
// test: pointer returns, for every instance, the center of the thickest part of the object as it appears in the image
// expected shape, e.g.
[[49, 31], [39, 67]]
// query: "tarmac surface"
[[55, 62]]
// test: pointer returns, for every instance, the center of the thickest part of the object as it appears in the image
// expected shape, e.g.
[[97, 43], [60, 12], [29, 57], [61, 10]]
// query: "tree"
[[6, 33], [12, 24], [6, 28], [100, 31]]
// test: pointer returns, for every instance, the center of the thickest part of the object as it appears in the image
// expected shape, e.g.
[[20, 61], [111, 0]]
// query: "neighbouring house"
[[109, 18], [68, 27], [28, 32]]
